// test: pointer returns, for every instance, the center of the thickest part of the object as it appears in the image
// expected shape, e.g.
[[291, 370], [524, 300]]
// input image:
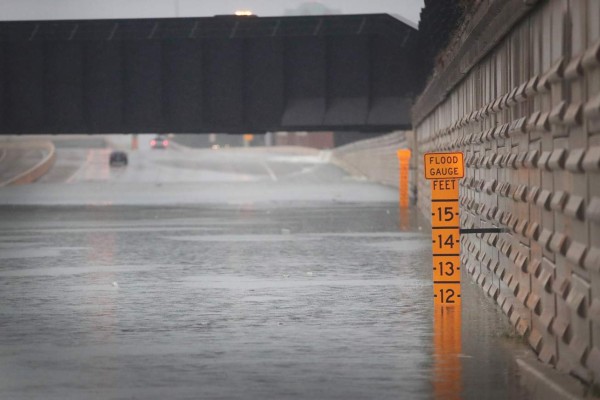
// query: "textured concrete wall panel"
[[527, 117], [376, 158]]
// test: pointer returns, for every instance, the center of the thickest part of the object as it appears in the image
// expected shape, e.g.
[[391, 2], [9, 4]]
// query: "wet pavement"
[[323, 292]]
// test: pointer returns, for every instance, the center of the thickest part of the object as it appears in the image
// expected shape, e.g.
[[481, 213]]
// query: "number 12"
[[447, 296]]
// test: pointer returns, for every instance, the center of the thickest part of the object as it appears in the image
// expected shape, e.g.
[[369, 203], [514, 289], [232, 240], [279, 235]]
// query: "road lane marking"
[[88, 157], [269, 170]]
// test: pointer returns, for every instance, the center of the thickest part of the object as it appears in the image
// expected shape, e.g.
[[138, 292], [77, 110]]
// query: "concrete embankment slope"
[[24, 161]]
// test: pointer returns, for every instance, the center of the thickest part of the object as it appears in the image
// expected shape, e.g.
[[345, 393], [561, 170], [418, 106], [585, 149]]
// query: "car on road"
[[118, 157], [159, 142]]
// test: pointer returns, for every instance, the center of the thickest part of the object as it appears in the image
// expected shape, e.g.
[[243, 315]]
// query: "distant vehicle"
[[117, 158], [159, 142]]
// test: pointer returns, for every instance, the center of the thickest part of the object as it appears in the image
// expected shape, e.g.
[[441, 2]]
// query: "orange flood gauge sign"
[[444, 166], [444, 170]]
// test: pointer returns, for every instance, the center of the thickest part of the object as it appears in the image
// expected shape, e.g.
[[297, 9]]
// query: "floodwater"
[[239, 302]]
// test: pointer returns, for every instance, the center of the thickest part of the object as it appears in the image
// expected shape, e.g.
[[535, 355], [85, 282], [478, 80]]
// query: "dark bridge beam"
[[220, 74]]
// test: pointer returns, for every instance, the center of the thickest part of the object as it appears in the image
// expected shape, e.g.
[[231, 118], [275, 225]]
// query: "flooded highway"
[[307, 297]]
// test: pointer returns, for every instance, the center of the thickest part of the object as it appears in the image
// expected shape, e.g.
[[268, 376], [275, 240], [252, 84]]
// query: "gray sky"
[[88, 9]]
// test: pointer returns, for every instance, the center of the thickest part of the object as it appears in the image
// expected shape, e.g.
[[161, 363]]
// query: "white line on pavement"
[[269, 170]]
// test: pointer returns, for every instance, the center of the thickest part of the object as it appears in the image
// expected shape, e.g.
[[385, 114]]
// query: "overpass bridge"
[[203, 75]]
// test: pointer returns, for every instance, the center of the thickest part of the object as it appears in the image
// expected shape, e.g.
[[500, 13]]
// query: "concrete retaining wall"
[[524, 107], [376, 158]]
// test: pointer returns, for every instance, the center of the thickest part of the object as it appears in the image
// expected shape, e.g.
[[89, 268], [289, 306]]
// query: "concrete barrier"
[[38, 170], [376, 158]]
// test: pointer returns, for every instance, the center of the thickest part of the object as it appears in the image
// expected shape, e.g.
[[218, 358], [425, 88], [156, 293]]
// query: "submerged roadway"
[[228, 274]]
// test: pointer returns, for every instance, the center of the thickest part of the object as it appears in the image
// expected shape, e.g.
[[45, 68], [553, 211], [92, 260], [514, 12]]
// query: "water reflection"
[[102, 318], [404, 219], [447, 379]]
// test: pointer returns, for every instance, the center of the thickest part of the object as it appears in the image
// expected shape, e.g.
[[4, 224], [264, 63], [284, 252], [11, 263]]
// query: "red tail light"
[[165, 143], [153, 142]]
